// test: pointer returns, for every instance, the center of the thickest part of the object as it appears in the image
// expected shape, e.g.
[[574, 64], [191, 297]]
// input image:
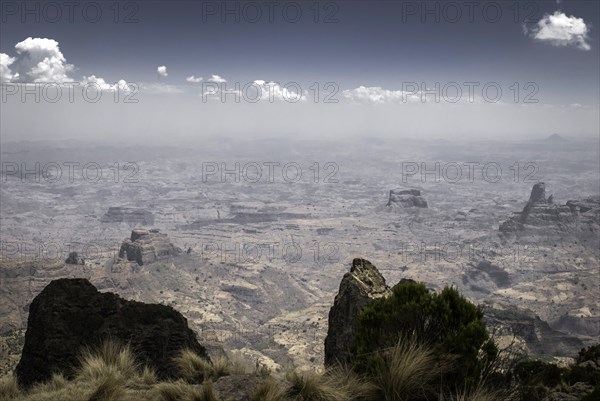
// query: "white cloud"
[[217, 79], [39, 60], [376, 94], [560, 30], [5, 72], [159, 88], [101, 84], [193, 79], [162, 71], [272, 90], [259, 90]]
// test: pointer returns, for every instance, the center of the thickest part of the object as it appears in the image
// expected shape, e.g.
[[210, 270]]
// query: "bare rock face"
[[120, 214], [542, 215], [70, 314], [358, 288], [147, 246], [406, 198]]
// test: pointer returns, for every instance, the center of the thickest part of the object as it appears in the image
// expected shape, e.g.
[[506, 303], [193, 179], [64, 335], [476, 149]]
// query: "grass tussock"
[[109, 359], [406, 371], [479, 394], [110, 373], [195, 369], [269, 390], [338, 384], [220, 367], [109, 389], [181, 391], [9, 388]]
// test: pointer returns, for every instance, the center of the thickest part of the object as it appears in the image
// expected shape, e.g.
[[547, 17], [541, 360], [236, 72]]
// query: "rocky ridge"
[[541, 214]]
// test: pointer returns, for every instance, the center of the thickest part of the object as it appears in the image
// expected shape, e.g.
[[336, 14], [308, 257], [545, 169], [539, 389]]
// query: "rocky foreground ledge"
[[70, 315]]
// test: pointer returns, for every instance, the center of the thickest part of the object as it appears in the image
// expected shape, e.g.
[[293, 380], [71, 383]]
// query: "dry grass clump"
[[9, 388], [109, 373], [269, 390], [109, 359], [220, 367], [479, 394], [338, 384], [406, 371], [181, 391], [195, 369]]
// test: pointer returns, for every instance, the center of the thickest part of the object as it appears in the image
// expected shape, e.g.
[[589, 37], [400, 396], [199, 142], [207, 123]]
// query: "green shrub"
[[589, 354], [583, 373], [594, 395], [445, 321], [535, 372]]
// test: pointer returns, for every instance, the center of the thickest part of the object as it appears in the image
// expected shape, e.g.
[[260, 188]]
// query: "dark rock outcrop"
[[120, 214], [70, 314], [406, 198], [147, 246], [358, 288]]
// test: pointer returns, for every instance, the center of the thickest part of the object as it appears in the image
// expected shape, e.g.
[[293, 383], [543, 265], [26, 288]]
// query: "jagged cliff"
[[358, 288]]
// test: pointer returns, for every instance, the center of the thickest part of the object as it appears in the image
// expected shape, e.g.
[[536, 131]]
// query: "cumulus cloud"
[[560, 30], [193, 79], [6, 61], [37, 60], [272, 90], [217, 79], [258, 90], [376, 94], [162, 71], [101, 84]]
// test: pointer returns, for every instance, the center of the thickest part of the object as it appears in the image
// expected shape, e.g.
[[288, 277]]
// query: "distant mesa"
[[404, 198], [71, 314], [122, 214], [74, 259], [147, 246], [542, 214], [555, 138]]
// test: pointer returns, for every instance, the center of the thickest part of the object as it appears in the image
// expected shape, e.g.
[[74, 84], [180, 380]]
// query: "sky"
[[180, 70]]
